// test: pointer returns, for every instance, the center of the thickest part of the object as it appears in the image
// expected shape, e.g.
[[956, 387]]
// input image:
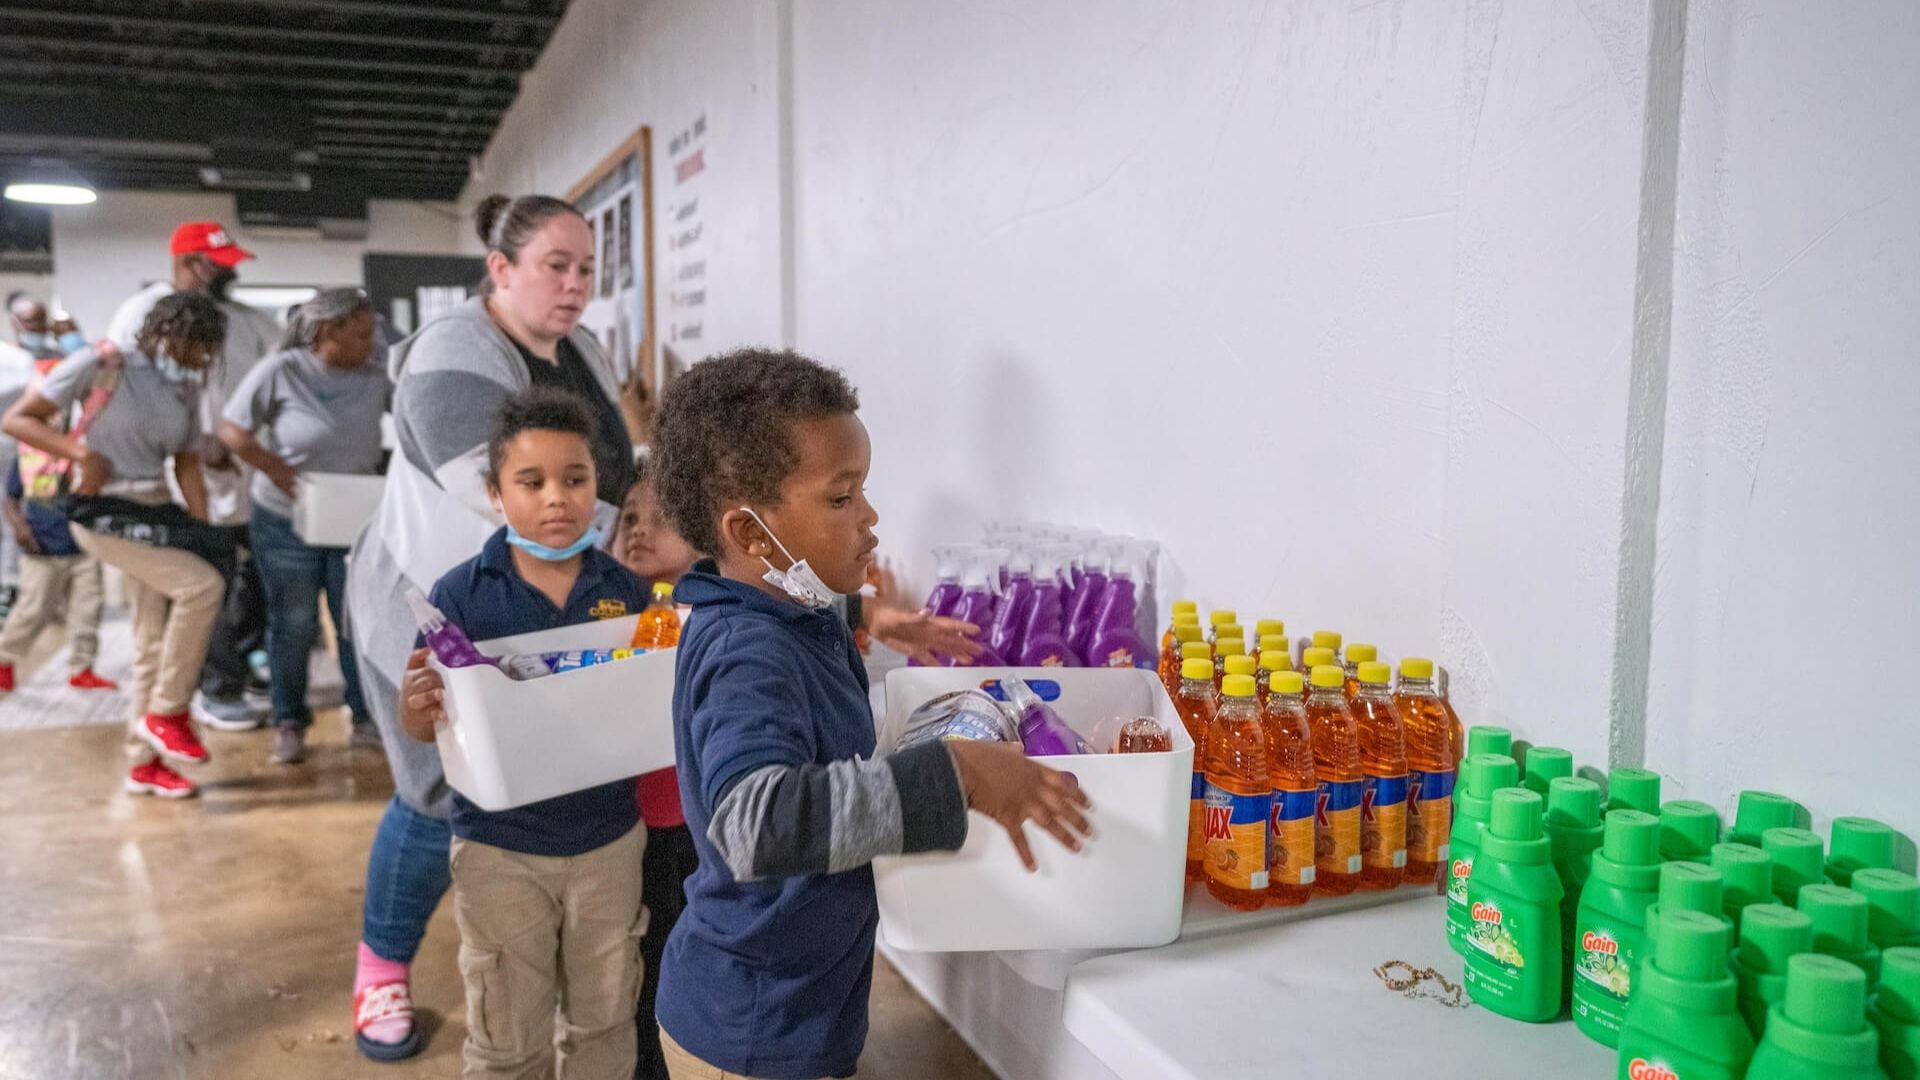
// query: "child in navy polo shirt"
[[762, 466], [547, 895]]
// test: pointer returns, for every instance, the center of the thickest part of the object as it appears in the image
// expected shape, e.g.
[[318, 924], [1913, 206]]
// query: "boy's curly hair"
[[538, 408], [723, 437]]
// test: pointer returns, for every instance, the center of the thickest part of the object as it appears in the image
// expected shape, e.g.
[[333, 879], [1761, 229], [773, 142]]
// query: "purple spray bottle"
[[1009, 628], [947, 560], [1042, 732], [449, 643], [1086, 599], [1044, 643], [1116, 642], [976, 603]]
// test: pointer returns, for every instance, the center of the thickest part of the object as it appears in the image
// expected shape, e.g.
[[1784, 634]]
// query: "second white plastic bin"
[[330, 509], [510, 742], [1124, 889]]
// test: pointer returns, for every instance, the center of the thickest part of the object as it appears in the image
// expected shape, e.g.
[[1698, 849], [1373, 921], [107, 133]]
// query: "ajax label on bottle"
[[1236, 838], [1337, 848], [1290, 852], [1429, 818], [1383, 822]]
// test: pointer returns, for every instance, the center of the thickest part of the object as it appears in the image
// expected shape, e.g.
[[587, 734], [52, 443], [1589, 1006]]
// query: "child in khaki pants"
[[547, 895]]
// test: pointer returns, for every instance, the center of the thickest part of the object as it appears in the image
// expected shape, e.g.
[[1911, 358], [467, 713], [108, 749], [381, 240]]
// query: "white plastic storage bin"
[[508, 743], [1125, 887], [330, 509]]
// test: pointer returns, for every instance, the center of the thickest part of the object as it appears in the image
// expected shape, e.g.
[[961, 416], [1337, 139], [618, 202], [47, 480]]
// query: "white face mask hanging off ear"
[[798, 580]]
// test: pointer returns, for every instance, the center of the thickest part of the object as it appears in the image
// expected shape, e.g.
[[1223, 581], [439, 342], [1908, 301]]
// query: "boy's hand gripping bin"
[[330, 509], [509, 742], [1123, 889]]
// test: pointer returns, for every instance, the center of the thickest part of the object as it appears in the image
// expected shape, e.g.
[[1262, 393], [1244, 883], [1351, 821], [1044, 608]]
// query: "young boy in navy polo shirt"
[[547, 895], [762, 466]]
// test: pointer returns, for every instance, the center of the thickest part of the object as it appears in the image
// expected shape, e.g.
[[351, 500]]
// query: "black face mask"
[[223, 279]]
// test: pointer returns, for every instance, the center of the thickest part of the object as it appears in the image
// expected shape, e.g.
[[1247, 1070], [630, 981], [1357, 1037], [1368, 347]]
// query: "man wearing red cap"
[[204, 258]]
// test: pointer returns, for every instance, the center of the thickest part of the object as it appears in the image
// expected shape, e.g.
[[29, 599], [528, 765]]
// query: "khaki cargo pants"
[[541, 935]]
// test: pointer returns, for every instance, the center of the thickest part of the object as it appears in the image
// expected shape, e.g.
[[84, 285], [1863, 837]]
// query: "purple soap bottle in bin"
[[1042, 732], [449, 643]]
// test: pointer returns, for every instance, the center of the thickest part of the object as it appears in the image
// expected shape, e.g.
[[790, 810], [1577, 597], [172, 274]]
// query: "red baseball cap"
[[209, 238]]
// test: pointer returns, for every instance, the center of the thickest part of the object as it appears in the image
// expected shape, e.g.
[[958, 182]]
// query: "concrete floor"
[[215, 937]]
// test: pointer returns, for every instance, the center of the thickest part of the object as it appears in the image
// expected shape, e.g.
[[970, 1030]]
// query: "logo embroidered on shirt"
[[608, 609]]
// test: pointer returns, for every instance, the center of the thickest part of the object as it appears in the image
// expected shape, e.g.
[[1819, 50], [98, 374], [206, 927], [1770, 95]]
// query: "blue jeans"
[[407, 874], [294, 573]]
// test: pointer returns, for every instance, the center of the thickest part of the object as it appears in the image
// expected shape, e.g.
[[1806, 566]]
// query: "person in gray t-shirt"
[[313, 407]]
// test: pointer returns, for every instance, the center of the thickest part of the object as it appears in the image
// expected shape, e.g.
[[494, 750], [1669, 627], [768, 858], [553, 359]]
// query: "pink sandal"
[[379, 1002]]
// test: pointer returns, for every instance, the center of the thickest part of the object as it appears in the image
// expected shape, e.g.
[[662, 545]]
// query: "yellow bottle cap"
[[1375, 672], [1416, 667], [1186, 618], [1275, 644], [1326, 639], [1222, 617], [1188, 632], [1316, 656], [663, 589], [1237, 686], [1360, 654], [1270, 626], [1187, 607], [1286, 682], [1232, 629], [1197, 669], [1329, 675], [1196, 650], [1231, 646], [1241, 665]]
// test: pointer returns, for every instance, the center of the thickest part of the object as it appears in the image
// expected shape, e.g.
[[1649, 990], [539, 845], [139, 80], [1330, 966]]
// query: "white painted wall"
[[38, 286], [109, 250], [615, 65], [1785, 604], [1334, 303]]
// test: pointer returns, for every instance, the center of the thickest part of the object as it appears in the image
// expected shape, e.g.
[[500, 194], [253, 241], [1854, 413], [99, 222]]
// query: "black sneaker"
[[289, 744], [226, 714]]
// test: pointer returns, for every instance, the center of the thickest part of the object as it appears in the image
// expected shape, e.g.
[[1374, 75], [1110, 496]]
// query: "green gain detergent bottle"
[[1840, 927], [1770, 935], [1859, 844], [1798, 859], [1543, 766], [1893, 907], [1609, 932], [1685, 886], [1487, 739], [1820, 1032], [1688, 831], [1513, 952], [1683, 1023], [1896, 1013], [1749, 875], [1633, 789], [1574, 833], [1483, 775], [1758, 811]]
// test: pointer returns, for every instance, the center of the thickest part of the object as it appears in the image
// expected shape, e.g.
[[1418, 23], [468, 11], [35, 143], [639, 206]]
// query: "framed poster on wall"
[[620, 310]]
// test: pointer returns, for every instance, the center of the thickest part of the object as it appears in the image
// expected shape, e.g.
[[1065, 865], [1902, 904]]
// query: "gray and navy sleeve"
[[776, 812]]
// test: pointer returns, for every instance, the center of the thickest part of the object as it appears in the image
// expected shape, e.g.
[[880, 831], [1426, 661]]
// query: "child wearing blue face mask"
[[547, 896]]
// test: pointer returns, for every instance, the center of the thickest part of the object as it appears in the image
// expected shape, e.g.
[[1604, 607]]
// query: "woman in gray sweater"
[[449, 381]]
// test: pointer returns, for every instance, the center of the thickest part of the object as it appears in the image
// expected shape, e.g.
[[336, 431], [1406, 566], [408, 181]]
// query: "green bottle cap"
[[1797, 860], [1899, 994], [1573, 802], [1486, 774], [1633, 789], [1759, 811], [1839, 918], [1633, 838], [1688, 830], [1517, 815], [1483, 739], [1769, 934], [1686, 886], [1893, 904], [1544, 765], [1825, 995], [1748, 872], [1691, 946], [1861, 843]]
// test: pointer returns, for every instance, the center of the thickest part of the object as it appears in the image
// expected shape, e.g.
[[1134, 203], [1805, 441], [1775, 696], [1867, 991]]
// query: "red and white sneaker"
[[84, 679], [6, 678], [154, 778], [173, 738]]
